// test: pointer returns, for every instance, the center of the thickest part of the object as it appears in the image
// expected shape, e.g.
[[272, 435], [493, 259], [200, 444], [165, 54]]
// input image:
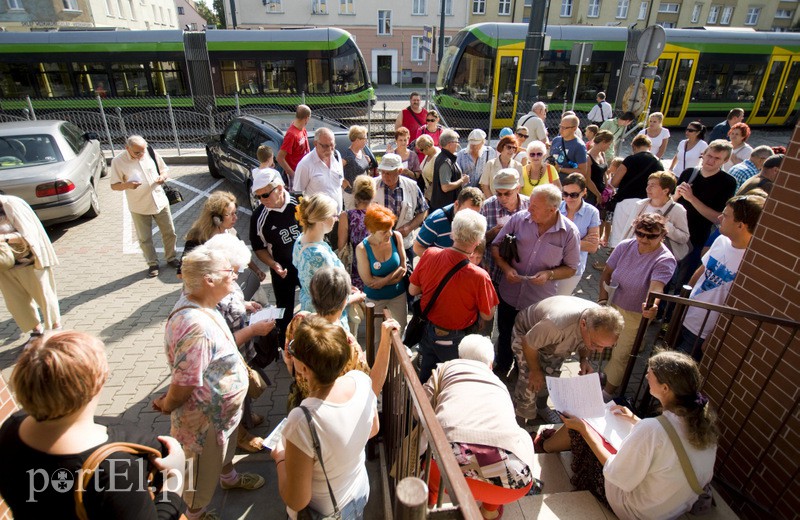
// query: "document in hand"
[[267, 313], [582, 397]]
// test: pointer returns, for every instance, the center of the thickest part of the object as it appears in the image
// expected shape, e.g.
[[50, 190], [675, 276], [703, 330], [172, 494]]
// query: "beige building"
[[761, 15], [188, 16], [48, 15], [134, 14], [389, 34]]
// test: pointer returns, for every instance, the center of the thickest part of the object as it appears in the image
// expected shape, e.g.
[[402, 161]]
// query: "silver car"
[[53, 166]]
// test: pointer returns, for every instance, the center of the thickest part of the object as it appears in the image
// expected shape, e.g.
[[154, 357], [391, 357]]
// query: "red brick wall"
[[755, 389], [7, 407]]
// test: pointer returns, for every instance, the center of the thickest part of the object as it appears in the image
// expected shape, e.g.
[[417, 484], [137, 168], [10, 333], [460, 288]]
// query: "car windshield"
[[27, 150]]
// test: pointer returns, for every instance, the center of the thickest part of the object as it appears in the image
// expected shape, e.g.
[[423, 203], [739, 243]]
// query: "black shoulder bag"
[[306, 512], [173, 195], [419, 317]]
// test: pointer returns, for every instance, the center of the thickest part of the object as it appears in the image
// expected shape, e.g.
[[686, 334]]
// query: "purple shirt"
[[559, 245], [634, 271]]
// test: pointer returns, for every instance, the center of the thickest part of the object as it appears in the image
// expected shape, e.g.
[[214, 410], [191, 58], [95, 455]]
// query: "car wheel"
[[94, 208], [212, 166]]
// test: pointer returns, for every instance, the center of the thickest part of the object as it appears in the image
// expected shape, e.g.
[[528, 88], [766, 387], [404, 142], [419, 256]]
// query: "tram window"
[[167, 78], [348, 75], [279, 76], [745, 80], [53, 80], [710, 79], [552, 76], [474, 73], [594, 79], [318, 76], [92, 79], [130, 79], [240, 76], [15, 81]]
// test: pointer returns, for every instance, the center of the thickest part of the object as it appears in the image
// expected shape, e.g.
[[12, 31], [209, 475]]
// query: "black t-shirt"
[[26, 470], [598, 172], [279, 229], [712, 191], [639, 166]]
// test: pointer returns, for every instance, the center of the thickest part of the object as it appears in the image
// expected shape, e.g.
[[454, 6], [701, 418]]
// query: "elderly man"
[[548, 249], [534, 121], [473, 159], [447, 176], [141, 175], [569, 150], [402, 196], [765, 179], [413, 116], [545, 335], [498, 210], [436, 230], [273, 232], [617, 127], [750, 167], [322, 170], [295, 143]]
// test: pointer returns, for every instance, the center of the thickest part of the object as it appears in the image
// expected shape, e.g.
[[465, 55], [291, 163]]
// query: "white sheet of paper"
[[267, 313], [134, 177], [272, 439], [579, 396], [612, 427]]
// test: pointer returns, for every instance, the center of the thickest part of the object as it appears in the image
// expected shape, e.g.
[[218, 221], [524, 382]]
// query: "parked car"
[[232, 154], [53, 166]]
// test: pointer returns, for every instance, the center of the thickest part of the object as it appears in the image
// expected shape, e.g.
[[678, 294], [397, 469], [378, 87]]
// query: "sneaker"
[[247, 481], [549, 416], [152, 271], [174, 263]]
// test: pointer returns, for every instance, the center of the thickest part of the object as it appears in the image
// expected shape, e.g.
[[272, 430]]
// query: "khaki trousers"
[[205, 468], [144, 232], [26, 287]]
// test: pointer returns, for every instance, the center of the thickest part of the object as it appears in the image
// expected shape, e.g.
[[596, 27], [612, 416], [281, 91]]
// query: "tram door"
[[506, 79], [778, 93], [676, 70]]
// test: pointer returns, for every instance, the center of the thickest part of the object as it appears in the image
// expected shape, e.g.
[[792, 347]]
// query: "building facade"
[[48, 15], [388, 34], [188, 16]]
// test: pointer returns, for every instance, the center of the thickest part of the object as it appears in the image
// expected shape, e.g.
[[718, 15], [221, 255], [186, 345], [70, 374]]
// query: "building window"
[[448, 7], [274, 6], [504, 8], [109, 7], [713, 14], [594, 9], [319, 7], [121, 9], [478, 6], [417, 54], [384, 22], [669, 8], [727, 13], [347, 7], [642, 11], [160, 13], [15, 5], [754, 12], [133, 10], [622, 8], [419, 7], [780, 14], [667, 25], [566, 8], [180, 11], [696, 12]]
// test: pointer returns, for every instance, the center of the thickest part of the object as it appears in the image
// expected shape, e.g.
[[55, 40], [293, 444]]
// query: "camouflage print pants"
[[524, 397]]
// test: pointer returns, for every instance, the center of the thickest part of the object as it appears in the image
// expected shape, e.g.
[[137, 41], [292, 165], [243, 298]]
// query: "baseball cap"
[[506, 179], [390, 162], [506, 131], [477, 136], [773, 161], [266, 177]]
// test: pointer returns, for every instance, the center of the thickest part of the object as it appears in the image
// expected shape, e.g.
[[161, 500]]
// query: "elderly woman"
[[636, 267], [506, 150], [447, 176], [537, 171], [355, 161], [467, 293], [738, 134], [341, 411], [235, 309], [645, 478], [382, 263], [472, 159], [431, 128], [660, 186], [29, 282], [690, 149], [630, 179], [57, 381], [208, 382], [351, 223], [411, 166], [586, 218], [659, 136], [476, 412], [430, 152]]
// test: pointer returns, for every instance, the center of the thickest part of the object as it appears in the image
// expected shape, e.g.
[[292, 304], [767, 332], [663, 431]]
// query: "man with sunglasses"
[[273, 231]]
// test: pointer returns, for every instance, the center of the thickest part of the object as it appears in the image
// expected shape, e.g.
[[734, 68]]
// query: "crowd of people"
[[488, 236]]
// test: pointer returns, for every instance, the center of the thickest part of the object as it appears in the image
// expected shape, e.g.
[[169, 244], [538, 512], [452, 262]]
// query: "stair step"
[[576, 504]]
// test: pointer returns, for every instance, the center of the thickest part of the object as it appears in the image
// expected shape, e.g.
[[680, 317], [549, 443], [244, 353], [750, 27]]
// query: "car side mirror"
[[91, 136]]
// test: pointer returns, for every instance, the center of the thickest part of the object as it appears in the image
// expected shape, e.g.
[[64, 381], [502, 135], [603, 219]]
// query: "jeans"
[[506, 314], [353, 510], [690, 344], [437, 346], [284, 289]]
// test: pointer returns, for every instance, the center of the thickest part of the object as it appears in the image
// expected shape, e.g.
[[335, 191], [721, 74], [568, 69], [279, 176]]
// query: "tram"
[[323, 67], [700, 75]]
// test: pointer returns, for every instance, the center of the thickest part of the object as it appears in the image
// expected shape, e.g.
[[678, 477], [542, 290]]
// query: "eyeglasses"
[[265, 196], [536, 154], [431, 120], [290, 349], [648, 236], [572, 195], [511, 147], [501, 194], [231, 272]]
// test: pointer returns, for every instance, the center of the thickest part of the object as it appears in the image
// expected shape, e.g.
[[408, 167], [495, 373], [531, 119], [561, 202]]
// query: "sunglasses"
[[692, 130], [648, 236], [511, 147], [431, 120], [573, 195], [536, 154], [521, 134], [265, 196]]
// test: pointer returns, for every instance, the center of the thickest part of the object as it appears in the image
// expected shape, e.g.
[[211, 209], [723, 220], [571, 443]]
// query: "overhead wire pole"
[[441, 32], [531, 55]]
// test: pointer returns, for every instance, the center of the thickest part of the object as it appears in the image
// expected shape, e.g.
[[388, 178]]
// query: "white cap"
[[477, 136], [390, 162], [266, 177]]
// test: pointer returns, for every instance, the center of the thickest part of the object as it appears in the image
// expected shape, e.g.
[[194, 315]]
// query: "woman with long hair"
[[659, 136], [690, 149], [431, 128], [351, 223]]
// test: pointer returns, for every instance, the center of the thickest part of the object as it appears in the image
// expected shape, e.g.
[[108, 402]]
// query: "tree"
[[219, 9], [205, 12]]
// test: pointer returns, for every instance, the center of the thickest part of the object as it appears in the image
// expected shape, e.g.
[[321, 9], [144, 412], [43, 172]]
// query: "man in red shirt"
[[413, 116], [295, 143]]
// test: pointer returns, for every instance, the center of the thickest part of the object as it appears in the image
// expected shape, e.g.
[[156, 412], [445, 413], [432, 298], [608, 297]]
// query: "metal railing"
[[406, 418], [720, 346]]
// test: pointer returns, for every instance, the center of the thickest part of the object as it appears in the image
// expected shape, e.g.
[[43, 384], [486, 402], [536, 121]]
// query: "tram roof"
[[90, 37]]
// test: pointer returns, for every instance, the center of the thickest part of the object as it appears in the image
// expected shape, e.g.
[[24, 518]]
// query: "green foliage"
[[219, 10], [205, 12]]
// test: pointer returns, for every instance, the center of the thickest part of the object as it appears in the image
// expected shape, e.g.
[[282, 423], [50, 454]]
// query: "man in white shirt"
[[534, 122], [601, 111], [713, 279], [136, 172], [321, 171]]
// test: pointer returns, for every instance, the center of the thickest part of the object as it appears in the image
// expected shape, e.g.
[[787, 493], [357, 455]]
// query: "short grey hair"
[[477, 348], [539, 105], [448, 136], [323, 130], [537, 146], [762, 152], [135, 140], [469, 227], [329, 290], [549, 192], [200, 262], [604, 318], [235, 250]]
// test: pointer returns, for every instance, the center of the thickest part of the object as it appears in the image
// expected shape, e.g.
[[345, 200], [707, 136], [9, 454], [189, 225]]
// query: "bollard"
[[121, 121], [30, 107], [174, 126], [105, 123], [303, 96], [411, 499], [211, 119]]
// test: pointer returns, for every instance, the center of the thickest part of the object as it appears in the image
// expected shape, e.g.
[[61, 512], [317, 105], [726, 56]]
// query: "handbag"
[[307, 513], [6, 256], [345, 255], [705, 499], [173, 195], [508, 249], [419, 319]]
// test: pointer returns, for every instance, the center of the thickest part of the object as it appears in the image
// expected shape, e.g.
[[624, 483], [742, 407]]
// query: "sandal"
[[599, 265], [538, 441], [257, 419], [249, 442]]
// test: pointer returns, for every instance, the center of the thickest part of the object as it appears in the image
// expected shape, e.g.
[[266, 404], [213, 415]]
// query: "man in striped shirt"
[[436, 230]]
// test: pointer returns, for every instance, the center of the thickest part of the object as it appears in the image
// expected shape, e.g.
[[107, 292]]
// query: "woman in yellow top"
[[537, 171]]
